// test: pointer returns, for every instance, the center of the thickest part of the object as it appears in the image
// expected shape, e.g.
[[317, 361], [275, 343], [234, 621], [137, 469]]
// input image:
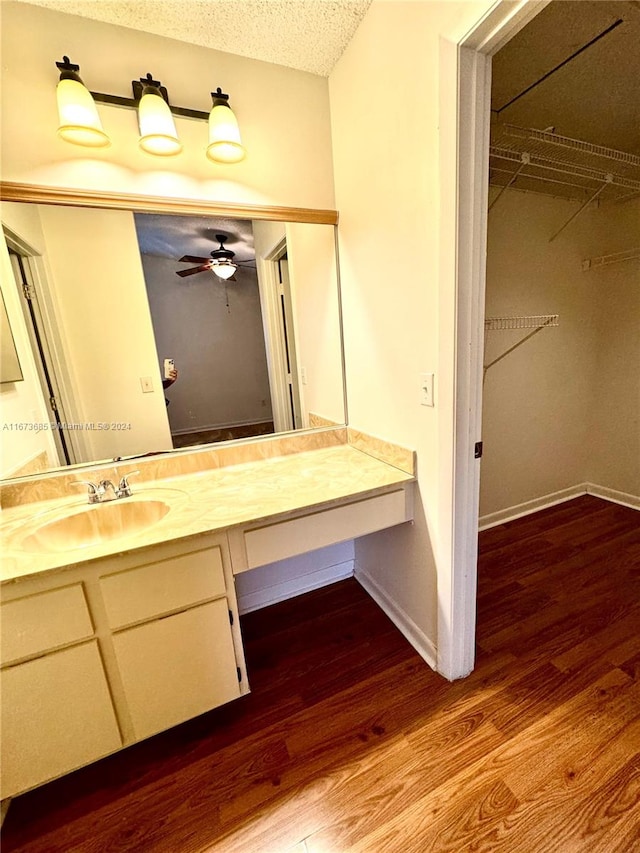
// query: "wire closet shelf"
[[545, 162], [537, 321]]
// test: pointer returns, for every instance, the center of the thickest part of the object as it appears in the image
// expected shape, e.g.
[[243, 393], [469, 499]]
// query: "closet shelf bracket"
[[595, 195], [614, 258], [537, 323], [525, 160]]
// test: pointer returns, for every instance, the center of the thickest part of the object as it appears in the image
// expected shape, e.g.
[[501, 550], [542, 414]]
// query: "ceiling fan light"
[[158, 133], [223, 269], [225, 145], [77, 112]]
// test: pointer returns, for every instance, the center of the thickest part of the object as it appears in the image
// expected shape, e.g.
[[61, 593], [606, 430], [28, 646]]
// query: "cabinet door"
[[56, 716], [177, 667]]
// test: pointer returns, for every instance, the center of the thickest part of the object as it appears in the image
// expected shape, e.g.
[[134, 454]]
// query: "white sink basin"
[[93, 524]]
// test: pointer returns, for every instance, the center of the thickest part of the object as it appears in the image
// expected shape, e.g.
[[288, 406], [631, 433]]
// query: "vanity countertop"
[[207, 502]]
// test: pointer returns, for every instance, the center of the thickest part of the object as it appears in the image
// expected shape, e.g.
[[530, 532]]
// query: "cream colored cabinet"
[[171, 621], [57, 713], [56, 716], [99, 656], [177, 667]]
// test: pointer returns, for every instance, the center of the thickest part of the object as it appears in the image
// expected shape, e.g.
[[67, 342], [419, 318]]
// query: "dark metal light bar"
[[132, 103]]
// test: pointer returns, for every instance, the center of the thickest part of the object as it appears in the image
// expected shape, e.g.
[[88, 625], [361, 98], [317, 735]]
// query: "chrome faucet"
[[106, 486], [124, 489], [105, 490]]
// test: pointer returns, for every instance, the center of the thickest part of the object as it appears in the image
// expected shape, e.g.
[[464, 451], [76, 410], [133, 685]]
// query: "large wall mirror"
[[148, 349]]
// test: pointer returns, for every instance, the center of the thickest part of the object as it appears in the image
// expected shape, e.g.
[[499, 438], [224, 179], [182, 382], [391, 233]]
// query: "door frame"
[[48, 329], [274, 337], [465, 59]]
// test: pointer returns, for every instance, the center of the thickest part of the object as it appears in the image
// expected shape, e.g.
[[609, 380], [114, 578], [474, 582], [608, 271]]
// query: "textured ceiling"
[[309, 35], [172, 236]]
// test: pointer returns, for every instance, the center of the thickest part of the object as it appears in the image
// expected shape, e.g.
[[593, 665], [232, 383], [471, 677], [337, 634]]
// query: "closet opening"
[[549, 97], [562, 305]]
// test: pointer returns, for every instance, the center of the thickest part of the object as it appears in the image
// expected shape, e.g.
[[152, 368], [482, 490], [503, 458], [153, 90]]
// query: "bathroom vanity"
[[120, 620]]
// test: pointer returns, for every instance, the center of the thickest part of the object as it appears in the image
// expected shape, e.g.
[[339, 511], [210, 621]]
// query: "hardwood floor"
[[349, 742]]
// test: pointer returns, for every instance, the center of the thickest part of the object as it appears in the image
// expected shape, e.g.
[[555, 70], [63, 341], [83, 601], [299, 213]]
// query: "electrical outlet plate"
[[426, 389]]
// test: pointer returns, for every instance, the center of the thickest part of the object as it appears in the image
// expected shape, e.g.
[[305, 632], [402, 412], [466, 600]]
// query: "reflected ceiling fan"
[[221, 262]]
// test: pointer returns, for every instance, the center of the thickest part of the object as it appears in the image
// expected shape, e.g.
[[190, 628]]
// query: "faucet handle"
[[95, 491], [124, 489]]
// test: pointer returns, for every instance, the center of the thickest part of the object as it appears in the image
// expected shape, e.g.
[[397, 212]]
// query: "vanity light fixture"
[[79, 119], [158, 133], [80, 122], [225, 145]]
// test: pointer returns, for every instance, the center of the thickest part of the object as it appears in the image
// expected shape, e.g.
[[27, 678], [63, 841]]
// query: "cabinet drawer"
[[44, 621], [160, 587], [57, 715], [178, 667], [288, 538]]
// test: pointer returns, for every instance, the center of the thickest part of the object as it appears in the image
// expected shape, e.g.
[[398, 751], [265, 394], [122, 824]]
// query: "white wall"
[[218, 350], [385, 114], [615, 399], [537, 400], [562, 409], [283, 115]]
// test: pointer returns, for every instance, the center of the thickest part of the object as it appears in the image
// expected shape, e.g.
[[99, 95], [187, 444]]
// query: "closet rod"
[[614, 258]]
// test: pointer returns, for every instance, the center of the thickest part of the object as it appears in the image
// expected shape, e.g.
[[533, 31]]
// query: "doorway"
[[31, 300], [280, 338], [467, 59], [562, 307]]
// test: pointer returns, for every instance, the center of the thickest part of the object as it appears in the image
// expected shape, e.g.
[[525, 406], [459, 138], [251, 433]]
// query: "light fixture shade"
[[223, 269], [225, 145], [79, 119], [158, 133]]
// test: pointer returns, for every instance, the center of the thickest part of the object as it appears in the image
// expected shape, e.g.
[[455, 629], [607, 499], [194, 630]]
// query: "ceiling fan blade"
[[192, 271], [194, 260]]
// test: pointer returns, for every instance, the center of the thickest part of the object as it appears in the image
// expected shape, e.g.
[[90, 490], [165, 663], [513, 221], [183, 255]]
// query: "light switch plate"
[[426, 389], [146, 383]]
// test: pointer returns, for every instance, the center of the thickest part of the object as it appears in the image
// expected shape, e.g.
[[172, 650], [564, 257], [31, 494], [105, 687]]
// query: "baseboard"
[[294, 586], [510, 513], [214, 427], [418, 639], [519, 510], [613, 495]]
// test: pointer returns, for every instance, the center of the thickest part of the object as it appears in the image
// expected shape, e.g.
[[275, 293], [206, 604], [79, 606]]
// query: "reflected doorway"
[[50, 387], [211, 327]]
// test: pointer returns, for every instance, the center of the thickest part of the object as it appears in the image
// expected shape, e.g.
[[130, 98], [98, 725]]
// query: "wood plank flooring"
[[349, 743]]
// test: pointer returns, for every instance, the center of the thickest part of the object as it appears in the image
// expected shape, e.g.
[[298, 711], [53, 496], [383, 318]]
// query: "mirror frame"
[[11, 191]]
